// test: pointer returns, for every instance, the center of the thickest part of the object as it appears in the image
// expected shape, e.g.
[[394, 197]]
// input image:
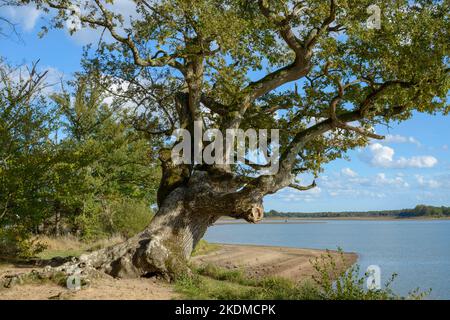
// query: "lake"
[[417, 250]]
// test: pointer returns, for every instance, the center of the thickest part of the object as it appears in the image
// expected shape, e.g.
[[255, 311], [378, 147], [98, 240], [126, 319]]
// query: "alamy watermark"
[[237, 146], [373, 281], [374, 21], [73, 282]]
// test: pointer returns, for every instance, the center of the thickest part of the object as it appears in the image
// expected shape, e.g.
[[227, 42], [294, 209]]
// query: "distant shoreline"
[[419, 212], [266, 221], [292, 220], [357, 218]]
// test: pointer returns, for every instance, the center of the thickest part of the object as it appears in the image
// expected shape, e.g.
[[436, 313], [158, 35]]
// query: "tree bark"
[[57, 230], [165, 246]]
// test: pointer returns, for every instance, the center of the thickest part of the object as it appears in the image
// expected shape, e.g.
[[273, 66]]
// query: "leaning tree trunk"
[[164, 247]]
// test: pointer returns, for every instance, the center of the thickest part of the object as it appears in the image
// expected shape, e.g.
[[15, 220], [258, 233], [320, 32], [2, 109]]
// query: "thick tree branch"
[[314, 34], [297, 69], [339, 124], [213, 105]]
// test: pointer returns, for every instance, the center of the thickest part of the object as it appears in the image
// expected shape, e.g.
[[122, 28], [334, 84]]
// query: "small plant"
[[333, 284], [18, 243]]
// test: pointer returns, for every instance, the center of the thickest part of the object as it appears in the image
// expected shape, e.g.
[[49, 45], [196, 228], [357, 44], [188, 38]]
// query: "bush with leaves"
[[69, 162], [26, 124], [335, 284], [121, 216], [15, 242]]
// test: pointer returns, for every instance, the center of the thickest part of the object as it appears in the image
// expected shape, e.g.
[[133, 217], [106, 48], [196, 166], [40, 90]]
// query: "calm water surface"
[[419, 251]]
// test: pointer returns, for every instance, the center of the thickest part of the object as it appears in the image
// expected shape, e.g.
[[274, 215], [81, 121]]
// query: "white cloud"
[[401, 139], [374, 187], [349, 173], [353, 193], [289, 194], [430, 183], [383, 156], [382, 180], [26, 16]]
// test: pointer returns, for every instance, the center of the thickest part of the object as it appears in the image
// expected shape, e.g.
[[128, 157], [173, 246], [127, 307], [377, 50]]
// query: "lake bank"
[[281, 220], [254, 261], [417, 250], [263, 261]]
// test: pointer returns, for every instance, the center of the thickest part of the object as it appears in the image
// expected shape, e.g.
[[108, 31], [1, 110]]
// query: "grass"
[[204, 247], [70, 246], [211, 282]]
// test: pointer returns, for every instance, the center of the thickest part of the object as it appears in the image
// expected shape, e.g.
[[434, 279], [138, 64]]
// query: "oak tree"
[[320, 71]]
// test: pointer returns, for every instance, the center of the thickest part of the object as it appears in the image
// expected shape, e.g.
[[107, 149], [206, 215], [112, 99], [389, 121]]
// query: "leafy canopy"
[[310, 68]]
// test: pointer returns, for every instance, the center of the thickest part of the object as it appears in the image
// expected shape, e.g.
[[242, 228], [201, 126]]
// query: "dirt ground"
[[256, 261]]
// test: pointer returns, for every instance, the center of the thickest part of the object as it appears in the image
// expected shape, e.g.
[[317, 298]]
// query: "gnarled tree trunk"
[[164, 247]]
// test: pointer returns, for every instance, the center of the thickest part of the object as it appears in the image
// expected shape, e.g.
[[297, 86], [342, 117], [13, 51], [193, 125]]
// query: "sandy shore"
[[259, 261], [256, 261], [268, 221]]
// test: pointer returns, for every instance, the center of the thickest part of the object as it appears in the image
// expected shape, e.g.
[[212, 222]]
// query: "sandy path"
[[256, 261]]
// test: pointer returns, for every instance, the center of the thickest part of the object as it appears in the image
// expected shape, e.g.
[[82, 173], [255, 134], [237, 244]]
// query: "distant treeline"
[[418, 211]]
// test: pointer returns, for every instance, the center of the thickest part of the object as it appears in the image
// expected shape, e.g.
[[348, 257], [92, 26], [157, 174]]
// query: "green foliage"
[[248, 53], [69, 162], [204, 247], [26, 123], [123, 216], [106, 174], [16, 242], [129, 217]]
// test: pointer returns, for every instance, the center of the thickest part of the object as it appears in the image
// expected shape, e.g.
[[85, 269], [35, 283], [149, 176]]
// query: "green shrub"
[[333, 284], [129, 217], [125, 217], [17, 242], [91, 222]]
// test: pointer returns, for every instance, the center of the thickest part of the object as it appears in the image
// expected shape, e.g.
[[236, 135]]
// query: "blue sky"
[[410, 167]]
